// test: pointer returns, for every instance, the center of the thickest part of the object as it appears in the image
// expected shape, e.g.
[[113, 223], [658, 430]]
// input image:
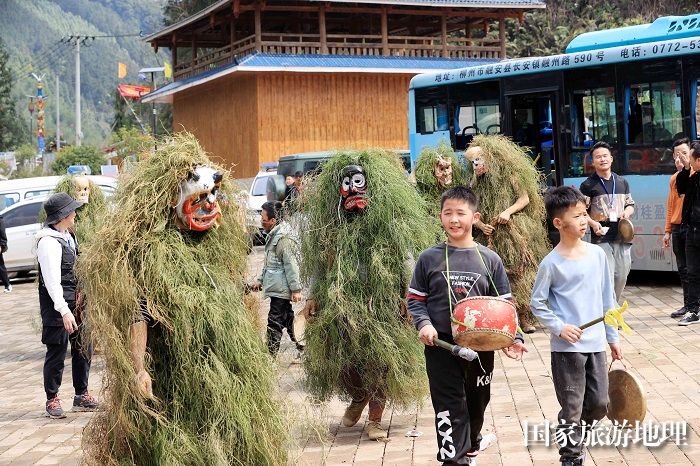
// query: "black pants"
[[460, 391], [3, 273], [56, 340], [678, 245], [581, 384], [692, 261], [279, 318]]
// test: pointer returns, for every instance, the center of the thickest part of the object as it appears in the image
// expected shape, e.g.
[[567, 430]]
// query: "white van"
[[13, 191]]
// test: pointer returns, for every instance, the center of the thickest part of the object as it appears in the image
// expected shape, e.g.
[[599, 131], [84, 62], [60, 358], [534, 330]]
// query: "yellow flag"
[[168, 71], [122, 70]]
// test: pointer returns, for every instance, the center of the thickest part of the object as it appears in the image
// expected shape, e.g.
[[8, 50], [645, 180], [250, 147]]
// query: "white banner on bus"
[[566, 61]]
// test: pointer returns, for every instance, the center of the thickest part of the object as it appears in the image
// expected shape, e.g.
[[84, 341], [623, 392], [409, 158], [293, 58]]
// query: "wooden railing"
[[337, 44]]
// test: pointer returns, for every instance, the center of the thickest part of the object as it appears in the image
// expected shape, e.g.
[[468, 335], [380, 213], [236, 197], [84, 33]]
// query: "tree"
[[548, 31], [131, 143], [83, 155], [25, 157], [177, 10], [12, 130]]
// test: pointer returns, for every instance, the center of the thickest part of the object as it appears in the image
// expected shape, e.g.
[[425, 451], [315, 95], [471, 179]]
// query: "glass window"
[[260, 185], [431, 110], [593, 117], [41, 192], [697, 111], [7, 199], [23, 215], [654, 113], [654, 121], [479, 117]]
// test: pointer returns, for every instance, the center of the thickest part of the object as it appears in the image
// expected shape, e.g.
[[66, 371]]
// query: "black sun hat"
[[59, 206]]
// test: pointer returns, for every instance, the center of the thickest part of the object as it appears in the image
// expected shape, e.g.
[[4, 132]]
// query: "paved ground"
[[663, 355]]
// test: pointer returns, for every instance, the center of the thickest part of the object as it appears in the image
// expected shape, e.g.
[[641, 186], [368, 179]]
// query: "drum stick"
[[459, 351], [591, 323]]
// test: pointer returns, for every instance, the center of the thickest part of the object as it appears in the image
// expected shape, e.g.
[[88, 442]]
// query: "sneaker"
[[573, 461], [8, 289], [471, 460], [375, 431], [353, 412], [689, 318], [679, 313], [486, 441], [53, 408], [84, 403]]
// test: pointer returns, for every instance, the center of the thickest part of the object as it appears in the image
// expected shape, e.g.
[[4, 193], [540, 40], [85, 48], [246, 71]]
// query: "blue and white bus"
[[634, 87]]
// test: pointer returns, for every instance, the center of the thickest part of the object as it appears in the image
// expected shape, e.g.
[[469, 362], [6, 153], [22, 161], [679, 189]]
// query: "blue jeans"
[[692, 261]]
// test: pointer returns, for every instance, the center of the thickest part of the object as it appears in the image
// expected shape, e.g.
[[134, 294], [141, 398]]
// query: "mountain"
[[33, 33]]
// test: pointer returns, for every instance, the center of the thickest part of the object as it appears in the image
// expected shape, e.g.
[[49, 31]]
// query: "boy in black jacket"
[[460, 390]]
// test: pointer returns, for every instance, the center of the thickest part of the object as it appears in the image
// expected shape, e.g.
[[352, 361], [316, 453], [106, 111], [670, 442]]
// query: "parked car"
[[13, 191], [308, 162], [257, 196], [21, 219]]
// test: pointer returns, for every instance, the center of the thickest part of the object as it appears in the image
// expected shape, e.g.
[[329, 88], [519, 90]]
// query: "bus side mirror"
[[276, 188]]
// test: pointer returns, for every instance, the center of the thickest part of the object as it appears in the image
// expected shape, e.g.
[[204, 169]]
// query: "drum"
[[484, 323], [625, 230], [627, 399]]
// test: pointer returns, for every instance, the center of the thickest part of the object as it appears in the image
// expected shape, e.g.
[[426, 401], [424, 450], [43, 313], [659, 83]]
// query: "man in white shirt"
[[56, 252]]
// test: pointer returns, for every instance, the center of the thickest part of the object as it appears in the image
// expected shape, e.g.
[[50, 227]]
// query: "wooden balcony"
[[337, 44]]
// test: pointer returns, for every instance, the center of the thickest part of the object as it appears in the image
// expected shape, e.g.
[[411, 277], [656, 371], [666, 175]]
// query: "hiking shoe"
[[353, 412], [689, 318], [375, 431], [53, 408], [8, 289], [84, 403], [486, 441], [679, 313]]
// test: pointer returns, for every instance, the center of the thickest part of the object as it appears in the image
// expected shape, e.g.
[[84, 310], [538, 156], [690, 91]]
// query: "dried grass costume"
[[522, 242], [361, 345], [213, 381], [428, 166]]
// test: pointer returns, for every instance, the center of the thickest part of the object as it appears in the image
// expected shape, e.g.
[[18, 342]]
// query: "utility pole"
[[58, 119], [152, 72], [78, 128], [77, 41]]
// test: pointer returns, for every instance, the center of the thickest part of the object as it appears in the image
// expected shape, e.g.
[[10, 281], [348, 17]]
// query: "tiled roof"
[[266, 62]]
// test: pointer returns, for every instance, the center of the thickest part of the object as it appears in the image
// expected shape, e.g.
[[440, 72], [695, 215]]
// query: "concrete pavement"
[[663, 355]]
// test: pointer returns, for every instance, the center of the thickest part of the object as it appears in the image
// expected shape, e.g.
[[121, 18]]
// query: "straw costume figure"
[[366, 222], [84, 190], [512, 212], [188, 378], [437, 169]]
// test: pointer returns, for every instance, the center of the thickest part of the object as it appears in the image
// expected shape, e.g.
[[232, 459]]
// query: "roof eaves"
[[187, 20]]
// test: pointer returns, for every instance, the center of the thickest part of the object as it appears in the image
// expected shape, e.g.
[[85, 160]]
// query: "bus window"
[[697, 110], [431, 110], [654, 120], [470, 118], [654, 112], [593, 118]]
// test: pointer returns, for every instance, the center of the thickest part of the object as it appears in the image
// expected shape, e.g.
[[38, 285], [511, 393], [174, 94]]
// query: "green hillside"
[[32, 31]]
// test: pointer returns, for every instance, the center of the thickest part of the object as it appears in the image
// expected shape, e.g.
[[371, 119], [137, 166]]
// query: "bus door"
[[532, 124]]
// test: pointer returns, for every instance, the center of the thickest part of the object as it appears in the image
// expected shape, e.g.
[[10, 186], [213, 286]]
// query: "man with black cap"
[[56, 252]]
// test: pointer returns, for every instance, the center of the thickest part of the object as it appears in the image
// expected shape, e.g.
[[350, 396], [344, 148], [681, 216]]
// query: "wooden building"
[[257, 79]]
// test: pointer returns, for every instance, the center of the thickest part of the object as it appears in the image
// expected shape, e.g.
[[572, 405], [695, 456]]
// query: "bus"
[[635, 88]]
